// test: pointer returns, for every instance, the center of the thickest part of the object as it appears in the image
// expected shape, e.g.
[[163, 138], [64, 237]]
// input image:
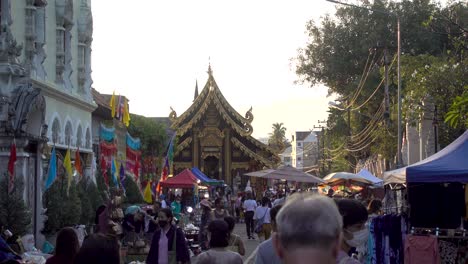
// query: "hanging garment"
[[421, 249], [448, 252]]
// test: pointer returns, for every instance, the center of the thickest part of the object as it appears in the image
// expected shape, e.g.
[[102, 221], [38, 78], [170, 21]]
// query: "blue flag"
[[122, 176], [52, 173], [114, 172]]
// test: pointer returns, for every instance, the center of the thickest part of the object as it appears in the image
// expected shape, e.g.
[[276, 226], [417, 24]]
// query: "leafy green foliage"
[[151, 133], [277, 140], [132, 192], [62, 210], [458, 112], [90, 201], [14, 214], [433, 69]]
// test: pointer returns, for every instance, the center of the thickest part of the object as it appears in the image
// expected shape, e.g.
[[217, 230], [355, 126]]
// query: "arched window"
[[68, 134], [79, 137], [56, 131]]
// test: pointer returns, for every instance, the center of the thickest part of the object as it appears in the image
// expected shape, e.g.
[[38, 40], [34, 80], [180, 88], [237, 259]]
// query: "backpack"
[[259, 226]]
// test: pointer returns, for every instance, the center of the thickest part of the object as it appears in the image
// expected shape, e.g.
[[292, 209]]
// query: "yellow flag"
[[112, 104], [147, 193], [68, 169], [126, 114]]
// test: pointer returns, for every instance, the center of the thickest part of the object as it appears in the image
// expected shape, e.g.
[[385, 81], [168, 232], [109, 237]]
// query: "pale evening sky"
[[153, 51]]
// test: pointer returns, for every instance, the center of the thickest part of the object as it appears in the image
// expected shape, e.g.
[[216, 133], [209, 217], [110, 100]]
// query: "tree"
[[132, 192], [344, 52], [457, 116], [62, 209], [277, 140], [14, 214], [152, 134], [90, 198]]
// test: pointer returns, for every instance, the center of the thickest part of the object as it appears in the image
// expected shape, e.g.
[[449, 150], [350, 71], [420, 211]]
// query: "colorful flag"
[[112, 104], [104, 170], [118, 113], [114, 172], [170, 155], [11, 167], [52, 173], [78, 167], [122, 176], [147, 193], [165, 170], [68, 169], [136, 169], [126, 113]]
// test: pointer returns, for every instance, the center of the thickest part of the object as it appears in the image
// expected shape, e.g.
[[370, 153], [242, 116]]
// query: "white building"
[[304, 153], [45, 86], [285, 156]]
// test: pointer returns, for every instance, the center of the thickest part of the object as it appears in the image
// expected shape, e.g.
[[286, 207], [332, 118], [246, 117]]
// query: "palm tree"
[[277, 139]]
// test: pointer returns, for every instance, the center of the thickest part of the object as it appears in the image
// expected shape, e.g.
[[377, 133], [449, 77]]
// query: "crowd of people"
[[300, 228]]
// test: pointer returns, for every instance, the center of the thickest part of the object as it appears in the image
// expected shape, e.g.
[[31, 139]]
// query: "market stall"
[[184, 183]]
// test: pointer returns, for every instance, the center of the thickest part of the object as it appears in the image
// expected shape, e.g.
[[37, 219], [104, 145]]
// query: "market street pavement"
[[250, 245]]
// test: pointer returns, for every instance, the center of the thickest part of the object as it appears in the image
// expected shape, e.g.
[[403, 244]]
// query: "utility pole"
[[400, 135], [321, 154], [387, 100]]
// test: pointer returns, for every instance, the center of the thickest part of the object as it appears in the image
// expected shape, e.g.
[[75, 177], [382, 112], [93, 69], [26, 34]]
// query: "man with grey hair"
[[308, 230]]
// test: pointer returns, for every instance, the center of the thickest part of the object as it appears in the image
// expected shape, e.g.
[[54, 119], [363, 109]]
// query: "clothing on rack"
[[421, 249], [448, 252], [385, 243]]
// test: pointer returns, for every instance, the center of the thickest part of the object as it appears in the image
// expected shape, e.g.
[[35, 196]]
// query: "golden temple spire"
[[196, 90], [210, 72]]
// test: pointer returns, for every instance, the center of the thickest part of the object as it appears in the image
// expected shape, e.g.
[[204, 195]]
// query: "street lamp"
[[398, 70]]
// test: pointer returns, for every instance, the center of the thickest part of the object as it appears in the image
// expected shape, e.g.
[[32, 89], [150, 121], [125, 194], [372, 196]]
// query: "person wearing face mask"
[[168, 245], [355, 232]]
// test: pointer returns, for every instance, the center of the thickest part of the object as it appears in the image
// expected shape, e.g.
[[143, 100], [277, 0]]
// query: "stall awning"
[[286, 173], [185, 179], [448, 165], [205, 179]]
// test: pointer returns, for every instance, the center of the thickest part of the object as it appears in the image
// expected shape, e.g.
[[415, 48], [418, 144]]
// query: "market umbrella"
[[369, 176], [286, 173], [341, 177]]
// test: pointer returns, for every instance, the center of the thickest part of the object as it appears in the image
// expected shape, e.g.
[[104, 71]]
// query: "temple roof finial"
[[210, 72], [196, 90]]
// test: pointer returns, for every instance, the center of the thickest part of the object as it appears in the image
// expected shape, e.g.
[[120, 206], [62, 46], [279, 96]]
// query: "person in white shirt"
[[249, 207], [163, 201], [262, 216]]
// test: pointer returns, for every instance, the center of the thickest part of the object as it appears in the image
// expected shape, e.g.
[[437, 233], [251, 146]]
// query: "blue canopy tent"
[[448, 165], [205, 179], [436, 187]]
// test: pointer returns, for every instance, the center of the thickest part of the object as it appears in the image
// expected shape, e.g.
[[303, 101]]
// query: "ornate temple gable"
[[211, 94], [247, 151]]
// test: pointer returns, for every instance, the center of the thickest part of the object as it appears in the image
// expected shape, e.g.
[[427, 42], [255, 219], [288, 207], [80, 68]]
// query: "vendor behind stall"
[[176, 207], [134, 219]]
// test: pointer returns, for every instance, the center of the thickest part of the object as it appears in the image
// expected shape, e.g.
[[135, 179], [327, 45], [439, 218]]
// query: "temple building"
[[214, 137]]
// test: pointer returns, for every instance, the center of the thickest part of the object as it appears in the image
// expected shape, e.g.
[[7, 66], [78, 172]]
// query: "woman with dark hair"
[[67, 247], [219, 241], [374, 208], [101, 219], [355, 233], [262, 216], [168, 244], [219, 213], [235, 242], [97, 249]]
